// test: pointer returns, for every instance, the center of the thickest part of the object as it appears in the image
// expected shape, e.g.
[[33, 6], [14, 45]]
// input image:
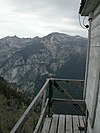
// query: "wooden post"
[[50, 99], [43, 100]]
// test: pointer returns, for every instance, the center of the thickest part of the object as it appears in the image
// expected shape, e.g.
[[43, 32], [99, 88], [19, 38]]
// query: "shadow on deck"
[[49, 122]]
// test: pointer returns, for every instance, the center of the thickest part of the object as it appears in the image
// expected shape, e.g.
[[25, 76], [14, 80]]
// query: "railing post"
[[50, 98], [43, 101]]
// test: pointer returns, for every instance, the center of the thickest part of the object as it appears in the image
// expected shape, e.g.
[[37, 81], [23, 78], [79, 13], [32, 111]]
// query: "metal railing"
[[47, 102]]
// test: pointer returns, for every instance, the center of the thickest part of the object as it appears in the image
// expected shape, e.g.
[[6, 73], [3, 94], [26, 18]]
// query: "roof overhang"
[[88, 6]]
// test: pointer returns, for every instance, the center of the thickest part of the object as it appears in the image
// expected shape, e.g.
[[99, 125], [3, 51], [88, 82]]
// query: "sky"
[[30, 18]]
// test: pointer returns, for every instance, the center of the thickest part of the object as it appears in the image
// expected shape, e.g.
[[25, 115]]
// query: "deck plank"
[[75, 124], [81, 124], [46, 125], [83, 119], [68, 124], [53, 128], [61, 125]]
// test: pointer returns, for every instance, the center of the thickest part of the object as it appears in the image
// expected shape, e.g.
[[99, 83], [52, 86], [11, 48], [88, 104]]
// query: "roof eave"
[[88, 7]]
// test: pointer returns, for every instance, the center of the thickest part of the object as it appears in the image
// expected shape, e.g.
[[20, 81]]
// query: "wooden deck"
[[57, 123], [64, 124]]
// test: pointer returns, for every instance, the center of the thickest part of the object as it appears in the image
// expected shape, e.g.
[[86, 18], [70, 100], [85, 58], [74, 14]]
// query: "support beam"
[[74, 101], [68, 80], [79, 107]]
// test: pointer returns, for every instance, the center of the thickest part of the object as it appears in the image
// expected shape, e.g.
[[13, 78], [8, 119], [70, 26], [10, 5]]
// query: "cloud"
[[30, 18]]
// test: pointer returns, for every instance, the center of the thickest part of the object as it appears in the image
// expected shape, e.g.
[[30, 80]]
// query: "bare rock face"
[[27, 62]]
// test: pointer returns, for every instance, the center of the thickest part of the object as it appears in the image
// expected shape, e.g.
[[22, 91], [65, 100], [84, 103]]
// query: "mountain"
[[27, 62]]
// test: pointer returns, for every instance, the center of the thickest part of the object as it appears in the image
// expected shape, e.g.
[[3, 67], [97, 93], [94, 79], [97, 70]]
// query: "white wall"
[[93, 74]]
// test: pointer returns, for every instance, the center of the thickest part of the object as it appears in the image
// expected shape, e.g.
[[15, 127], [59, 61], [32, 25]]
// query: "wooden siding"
[[92, 76], [92, 95]]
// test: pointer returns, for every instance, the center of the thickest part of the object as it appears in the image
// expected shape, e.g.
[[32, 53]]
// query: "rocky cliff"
[[27, 62]]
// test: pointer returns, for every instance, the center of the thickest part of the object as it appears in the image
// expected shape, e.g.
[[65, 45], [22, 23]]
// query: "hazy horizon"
[[30, 18], [41, 36]]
